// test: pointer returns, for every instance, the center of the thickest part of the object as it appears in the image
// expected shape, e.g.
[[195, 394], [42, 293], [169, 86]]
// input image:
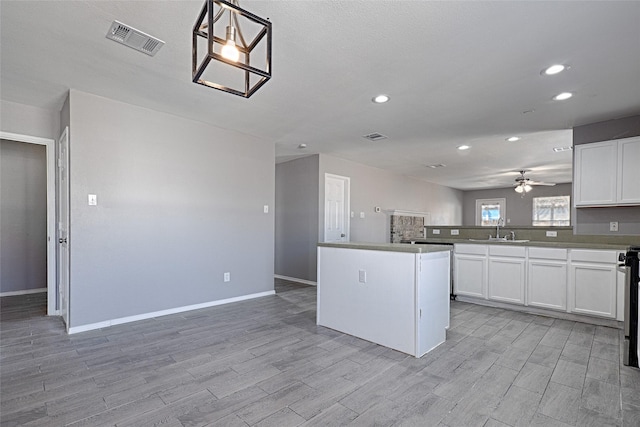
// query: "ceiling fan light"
[[527, 188], [519, 189]]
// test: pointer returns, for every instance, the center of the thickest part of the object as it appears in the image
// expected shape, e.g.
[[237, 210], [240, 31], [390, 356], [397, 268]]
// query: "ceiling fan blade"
[[548, 184]]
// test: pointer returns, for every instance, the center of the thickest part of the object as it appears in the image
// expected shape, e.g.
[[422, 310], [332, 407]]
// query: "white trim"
[[24, 292], [295, 279], [128, 319], [51, 211]]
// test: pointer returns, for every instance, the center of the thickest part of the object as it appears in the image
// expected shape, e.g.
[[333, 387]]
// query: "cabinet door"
[[593, 289], [594, 174], [506, 279], [470, 278], [629, 171], [547, 284]]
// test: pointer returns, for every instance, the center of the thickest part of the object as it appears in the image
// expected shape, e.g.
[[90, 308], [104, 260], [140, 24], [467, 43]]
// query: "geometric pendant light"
[[230, 62]]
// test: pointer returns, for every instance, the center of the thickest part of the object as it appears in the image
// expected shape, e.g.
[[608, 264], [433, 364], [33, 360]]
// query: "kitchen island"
[[395, 295]]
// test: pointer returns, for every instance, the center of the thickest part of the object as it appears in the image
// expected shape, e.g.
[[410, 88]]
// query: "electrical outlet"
[[227, 277], [455, 232], [552, 234], [436, 231], [613, 226], [353, 214], [362, 276], [361, 214]]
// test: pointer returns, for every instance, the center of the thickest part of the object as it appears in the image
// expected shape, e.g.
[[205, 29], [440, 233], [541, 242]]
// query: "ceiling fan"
[[524, 184]]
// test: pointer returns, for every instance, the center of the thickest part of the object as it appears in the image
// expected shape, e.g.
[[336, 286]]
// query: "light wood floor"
[[264, 362]]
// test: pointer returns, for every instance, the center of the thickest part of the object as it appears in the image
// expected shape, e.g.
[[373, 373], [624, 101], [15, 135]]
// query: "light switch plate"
[[361, 214], [227, 277], [362, 276], [93, 200], [266, 209]]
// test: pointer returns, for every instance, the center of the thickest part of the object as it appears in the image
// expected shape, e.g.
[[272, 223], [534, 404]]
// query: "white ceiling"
[[457, 73]]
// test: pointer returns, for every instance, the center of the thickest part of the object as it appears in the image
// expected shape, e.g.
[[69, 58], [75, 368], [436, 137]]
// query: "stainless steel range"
[[632, 267]]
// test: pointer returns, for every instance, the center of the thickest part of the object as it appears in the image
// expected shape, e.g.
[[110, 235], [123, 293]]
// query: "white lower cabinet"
[[593, 282], [507, 273], [470, 270], [581, 281], [547, 278]]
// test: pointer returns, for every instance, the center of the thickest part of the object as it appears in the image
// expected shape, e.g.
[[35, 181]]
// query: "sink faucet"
[[498, 224]]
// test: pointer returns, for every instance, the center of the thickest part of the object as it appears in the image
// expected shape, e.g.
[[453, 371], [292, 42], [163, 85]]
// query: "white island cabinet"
[[395, 295]]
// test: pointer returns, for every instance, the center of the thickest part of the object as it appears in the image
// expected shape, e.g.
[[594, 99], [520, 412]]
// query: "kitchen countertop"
[[548, 244], [390, 247]]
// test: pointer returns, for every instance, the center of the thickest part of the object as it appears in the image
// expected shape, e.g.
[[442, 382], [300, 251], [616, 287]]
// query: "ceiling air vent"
[[133, 38], [374, 136]]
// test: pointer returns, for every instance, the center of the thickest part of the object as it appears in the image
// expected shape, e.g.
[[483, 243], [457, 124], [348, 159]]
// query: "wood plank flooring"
[[264, 362]]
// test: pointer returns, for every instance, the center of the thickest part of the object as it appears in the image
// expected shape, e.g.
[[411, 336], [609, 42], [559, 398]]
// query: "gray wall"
[[371, 187], [519, 209], [299, 228], [23, 216], [596, 220], [28, 120], [297, 218], [179, 203]]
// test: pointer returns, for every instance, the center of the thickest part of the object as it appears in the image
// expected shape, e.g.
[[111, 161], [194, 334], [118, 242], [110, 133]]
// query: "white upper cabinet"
[[606, 173], [629, 170]]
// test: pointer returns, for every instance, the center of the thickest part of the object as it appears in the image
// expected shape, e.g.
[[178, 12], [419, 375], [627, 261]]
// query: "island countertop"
[[389, 247]]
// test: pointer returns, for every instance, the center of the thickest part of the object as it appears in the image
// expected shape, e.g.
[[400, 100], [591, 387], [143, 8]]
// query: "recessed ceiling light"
[[436, 166], [463, 147], [561, 149], [554, 69], [513, 138], [562, 96], [302, 146], [380, 99]]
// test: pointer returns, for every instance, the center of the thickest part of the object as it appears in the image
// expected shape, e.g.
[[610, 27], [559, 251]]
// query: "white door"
[[63, 226], [336, 208]]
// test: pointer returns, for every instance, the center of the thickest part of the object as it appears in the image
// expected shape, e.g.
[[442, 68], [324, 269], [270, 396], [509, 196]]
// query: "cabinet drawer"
[[603, 257], [506, 250], [548, 253], [470, 249]]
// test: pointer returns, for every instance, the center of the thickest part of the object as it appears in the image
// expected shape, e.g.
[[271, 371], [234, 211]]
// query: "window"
[[489, 211], [550, 211]]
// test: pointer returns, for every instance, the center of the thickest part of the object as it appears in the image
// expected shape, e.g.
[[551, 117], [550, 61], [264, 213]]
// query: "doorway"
[[50, 212], [336, 208]]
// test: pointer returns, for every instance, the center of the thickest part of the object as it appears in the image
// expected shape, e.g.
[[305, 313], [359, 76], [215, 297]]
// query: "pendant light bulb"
[[229, 50], [527, 188], [519, 189]]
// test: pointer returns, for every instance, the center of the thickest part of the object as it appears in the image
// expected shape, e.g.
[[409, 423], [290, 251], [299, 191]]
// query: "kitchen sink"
[[494, 240]]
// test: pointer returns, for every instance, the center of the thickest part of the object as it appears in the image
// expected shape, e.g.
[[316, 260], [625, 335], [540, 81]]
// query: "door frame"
[[347, 206], [50, 147]]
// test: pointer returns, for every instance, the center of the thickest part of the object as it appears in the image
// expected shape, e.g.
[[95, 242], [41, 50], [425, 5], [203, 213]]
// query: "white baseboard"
[[295, 279], [128, 319], [25, 292]]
